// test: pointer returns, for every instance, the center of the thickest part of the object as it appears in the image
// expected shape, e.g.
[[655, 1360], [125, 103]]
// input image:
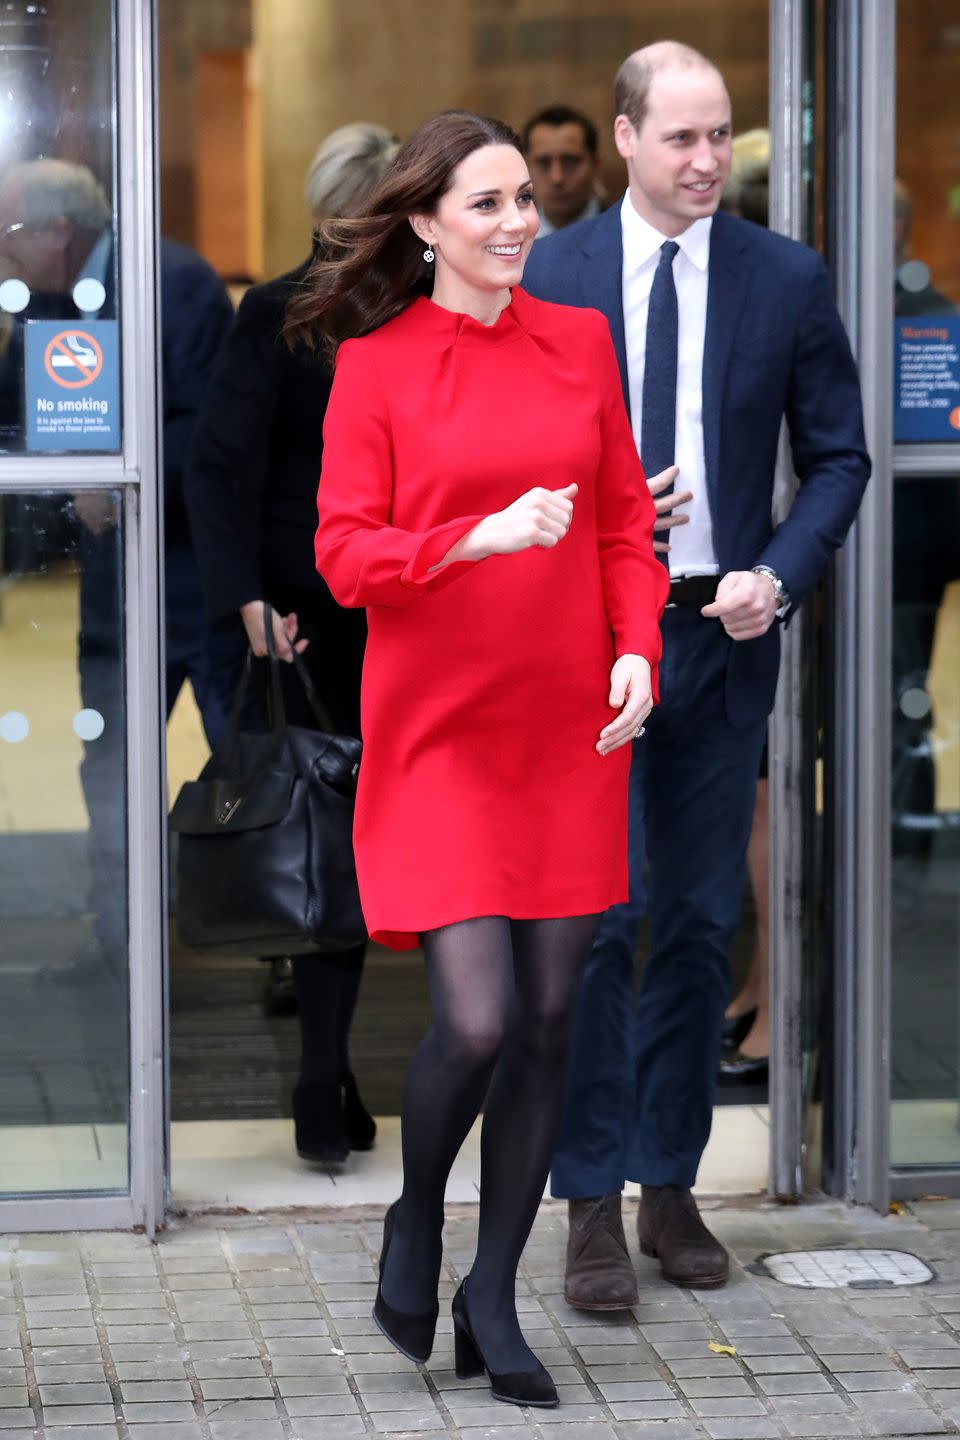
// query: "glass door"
[[81, 1080], [924, 679]]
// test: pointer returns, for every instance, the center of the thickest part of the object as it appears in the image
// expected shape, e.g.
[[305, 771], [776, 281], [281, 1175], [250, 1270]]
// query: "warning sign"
[[72, 389], [73, 359], [927, 378]]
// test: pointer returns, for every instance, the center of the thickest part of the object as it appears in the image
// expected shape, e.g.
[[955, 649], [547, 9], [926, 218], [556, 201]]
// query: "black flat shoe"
[[361, 1126], [734, 1031], [319, 1124], [518, 1387], [412, 1335], [737, 1069]]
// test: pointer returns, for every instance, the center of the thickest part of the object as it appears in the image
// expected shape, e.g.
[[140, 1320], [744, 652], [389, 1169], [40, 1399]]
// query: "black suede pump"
[[519, 1387], [412, 1335]]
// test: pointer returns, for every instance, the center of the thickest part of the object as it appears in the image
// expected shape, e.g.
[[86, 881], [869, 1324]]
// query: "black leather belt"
[[695, 590]]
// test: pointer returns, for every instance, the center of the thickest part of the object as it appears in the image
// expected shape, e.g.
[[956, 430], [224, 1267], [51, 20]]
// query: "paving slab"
[[252, 1327]]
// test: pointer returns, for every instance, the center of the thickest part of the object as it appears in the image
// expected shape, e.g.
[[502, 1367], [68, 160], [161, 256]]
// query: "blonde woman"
[[251, 492]]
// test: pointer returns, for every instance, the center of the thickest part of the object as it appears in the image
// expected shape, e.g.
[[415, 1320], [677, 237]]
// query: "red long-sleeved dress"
[[485, 683]]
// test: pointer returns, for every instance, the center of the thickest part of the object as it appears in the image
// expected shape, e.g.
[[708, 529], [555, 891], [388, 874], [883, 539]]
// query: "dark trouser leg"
[[103, 766], [701, 785], [590, 1154], [520, 1123], [470, 975]]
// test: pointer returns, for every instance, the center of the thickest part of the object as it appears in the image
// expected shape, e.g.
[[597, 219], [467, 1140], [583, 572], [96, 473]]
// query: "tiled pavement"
[[259, 1328]]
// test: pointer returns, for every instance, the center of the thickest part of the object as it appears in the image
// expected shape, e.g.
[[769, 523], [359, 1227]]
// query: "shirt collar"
[[641, 241], [592, 208]]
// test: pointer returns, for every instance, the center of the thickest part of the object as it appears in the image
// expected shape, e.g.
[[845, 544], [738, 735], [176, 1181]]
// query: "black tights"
[[326, 987], [502, 994]]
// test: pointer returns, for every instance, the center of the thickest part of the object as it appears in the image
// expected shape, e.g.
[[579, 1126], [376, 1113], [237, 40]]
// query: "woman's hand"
[[539, 518], [284, 631], [630, 689]]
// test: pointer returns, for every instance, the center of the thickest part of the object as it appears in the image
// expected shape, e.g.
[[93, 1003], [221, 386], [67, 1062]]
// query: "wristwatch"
[[779, 589]]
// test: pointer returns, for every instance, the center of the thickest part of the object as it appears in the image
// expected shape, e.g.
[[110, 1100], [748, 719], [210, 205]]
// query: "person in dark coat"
[[251, 493], [56, 236]]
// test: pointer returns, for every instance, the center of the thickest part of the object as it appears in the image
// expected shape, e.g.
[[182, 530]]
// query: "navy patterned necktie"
[[658, 420]]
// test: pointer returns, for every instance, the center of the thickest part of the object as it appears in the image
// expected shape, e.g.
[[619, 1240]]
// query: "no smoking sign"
[[72, 390]]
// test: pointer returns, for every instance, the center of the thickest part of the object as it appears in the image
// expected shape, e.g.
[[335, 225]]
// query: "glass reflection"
[[925, 760], [57, 250], [64, 1068]]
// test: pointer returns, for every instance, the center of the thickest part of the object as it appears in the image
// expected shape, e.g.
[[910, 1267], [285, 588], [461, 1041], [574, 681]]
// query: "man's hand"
[[96, 509], [666, 504], [746, 604]]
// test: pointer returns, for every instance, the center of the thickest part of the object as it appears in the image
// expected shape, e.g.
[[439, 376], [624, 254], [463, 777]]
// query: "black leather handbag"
[[265, 853]]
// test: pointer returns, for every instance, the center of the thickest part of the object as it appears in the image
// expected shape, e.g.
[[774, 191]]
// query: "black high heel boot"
[[319, 1123], [411, 1334], [361, 1126], [518, 1387]]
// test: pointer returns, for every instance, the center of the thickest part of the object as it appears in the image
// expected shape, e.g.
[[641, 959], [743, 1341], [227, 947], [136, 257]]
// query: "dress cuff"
[[420, 573]]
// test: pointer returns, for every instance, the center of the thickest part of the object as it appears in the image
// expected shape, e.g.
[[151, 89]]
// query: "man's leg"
[[590, 1156], [701, 786]]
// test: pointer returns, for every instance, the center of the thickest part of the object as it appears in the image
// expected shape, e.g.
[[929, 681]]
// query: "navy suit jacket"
[[774, 349]]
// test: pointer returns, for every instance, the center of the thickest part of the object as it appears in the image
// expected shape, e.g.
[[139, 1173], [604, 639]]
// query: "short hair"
[[563, 115], [58, 189], [347, 167], [631, 88]]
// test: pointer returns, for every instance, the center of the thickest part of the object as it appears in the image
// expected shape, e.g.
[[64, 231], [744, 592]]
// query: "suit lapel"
[[726, 288], [601, 282]]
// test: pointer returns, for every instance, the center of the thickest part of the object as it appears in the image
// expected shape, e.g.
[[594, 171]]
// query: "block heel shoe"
[[517, 1387], [412, 1335]]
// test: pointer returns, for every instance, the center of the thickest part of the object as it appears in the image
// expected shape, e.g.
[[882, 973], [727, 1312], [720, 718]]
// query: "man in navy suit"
[[743, 333]]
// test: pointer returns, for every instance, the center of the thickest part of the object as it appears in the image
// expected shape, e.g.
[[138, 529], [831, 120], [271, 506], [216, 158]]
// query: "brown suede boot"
[[669, 1228], [600, 1273]]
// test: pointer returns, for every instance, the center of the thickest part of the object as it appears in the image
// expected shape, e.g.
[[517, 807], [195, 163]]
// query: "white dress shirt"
[[692, 549]]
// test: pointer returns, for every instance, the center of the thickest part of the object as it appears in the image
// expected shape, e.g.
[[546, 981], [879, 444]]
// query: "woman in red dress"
[[482, 497]]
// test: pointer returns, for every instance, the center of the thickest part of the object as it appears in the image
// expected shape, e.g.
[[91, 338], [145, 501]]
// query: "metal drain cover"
[[859, 1269]]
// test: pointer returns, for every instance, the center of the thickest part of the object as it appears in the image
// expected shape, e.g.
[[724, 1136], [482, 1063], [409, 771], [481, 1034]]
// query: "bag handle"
[[276, 714], [320, 712]]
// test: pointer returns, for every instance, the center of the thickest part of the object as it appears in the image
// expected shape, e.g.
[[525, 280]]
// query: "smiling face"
[[482, 229], [679, 160]]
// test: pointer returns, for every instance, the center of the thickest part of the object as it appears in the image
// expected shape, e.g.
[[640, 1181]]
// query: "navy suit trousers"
[[644, 1059]]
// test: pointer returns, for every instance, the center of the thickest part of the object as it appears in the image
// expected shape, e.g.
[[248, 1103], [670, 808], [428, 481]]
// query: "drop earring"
[[428, 255]]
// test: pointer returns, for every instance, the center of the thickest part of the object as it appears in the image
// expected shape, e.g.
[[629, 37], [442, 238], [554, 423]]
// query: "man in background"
[[561, 149], [56, 236]]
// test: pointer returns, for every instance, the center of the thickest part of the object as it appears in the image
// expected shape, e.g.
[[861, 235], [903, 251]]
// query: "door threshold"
[[251, 1165]]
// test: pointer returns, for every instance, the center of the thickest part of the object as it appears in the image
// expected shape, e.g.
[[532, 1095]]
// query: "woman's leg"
[[470, 976], [520, 1123], [326, 990]]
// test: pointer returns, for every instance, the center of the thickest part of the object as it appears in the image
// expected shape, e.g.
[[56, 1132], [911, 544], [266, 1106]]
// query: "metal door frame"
[[785, 741], [860, 75], [135, 472]]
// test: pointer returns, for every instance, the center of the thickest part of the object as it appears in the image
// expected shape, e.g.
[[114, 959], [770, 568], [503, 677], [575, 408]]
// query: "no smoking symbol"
[[73, 359]]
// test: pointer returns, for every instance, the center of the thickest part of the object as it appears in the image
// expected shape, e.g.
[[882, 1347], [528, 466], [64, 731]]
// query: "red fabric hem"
[[410, 939]]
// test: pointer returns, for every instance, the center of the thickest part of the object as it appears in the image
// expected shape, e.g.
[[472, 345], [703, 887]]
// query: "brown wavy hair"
[[369, 266]]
